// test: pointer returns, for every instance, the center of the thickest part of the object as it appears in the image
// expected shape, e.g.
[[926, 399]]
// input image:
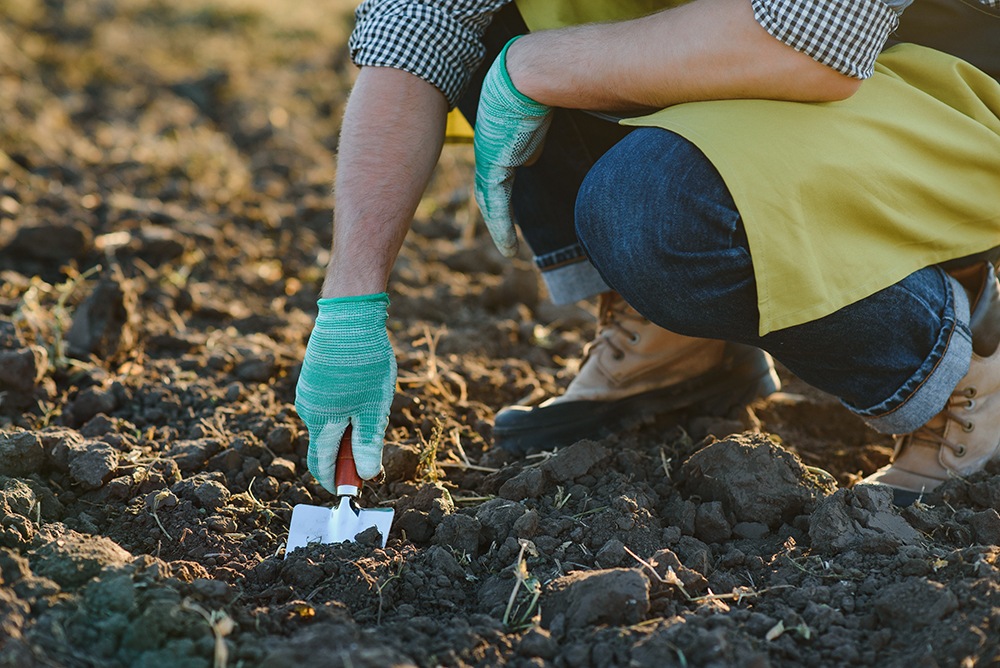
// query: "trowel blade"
[[316, 524]]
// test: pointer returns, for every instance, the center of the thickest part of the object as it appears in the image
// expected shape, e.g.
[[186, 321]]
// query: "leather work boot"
[[633, 371], [963, 437]]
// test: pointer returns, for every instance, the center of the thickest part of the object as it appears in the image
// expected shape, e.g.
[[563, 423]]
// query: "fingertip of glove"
[[368, 467], [321, 458]]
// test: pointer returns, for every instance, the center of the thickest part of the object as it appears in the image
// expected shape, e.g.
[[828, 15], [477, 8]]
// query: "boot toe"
[[906, 486], [524, 430]]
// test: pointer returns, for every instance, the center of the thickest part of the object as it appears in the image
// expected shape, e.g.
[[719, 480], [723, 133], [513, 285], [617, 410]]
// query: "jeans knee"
[[659, 224], [632, 208]]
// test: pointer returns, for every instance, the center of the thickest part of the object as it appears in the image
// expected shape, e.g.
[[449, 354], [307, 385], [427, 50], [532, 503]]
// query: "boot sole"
[[744, 375]]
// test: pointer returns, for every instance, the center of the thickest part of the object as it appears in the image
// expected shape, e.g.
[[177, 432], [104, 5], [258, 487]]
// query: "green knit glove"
[[348, 376], [510, 129]]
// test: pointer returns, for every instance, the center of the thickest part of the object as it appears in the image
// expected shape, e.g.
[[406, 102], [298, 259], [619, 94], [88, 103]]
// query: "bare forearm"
[[706, 50], [390, 141]]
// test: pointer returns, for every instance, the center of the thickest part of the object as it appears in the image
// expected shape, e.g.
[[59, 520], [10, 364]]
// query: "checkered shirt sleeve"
[[440, 42], [846, 35]]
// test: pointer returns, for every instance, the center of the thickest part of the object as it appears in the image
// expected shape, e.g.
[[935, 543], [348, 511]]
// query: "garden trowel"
[[316, 524]]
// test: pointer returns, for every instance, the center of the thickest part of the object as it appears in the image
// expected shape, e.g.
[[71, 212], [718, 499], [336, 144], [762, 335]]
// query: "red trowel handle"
[[346, 473]]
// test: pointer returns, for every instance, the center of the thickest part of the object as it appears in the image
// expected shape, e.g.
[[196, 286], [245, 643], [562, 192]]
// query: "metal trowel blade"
[[316, 524]]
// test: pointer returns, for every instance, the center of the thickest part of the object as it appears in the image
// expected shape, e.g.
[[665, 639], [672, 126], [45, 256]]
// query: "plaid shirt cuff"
[[440, 43], [846, 35]]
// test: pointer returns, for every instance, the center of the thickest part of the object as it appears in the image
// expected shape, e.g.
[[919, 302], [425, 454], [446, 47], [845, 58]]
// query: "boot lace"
[[964, 398], [612, 311]]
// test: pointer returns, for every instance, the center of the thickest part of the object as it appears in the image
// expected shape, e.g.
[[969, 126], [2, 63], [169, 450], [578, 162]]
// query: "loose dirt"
[[165, 211]]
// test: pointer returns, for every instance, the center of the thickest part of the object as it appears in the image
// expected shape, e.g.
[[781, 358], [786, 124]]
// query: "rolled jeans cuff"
[[569, 275], [927, 392]]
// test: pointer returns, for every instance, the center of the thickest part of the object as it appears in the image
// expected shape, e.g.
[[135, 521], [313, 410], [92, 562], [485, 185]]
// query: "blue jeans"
[[609, 207], [659, 225]]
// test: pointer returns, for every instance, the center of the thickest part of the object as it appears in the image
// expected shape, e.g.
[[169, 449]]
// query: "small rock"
[[229, 460], [21, 453], [986, 527], [863, 519], [93, 464], [16, 531], [281, 468], [211, 495], [755, 479], [187, 571], [694, 554], [750, 530], [616, 597], [221, 523], [57, 443], [415, 524], [52, 241], [710, 523], [256, 368], [234, 391], [281, 439], [161, 498], [400, 461], [442, 561], [21, 370], [74, 558], [526, 526], [986, 492], [159, 244], [528, 484], [498, 517], [538, 642], [914, 602], [17, 498], [460, 533], [370, 537], [102, 324], [430, 497], [192, 455], [89, 403], [612, 553], [574, 461], [118, 489], [664, 559], [671, 535], [99, 425]]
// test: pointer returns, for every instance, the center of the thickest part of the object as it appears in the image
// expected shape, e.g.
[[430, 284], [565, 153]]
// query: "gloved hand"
[[510, 129], [348, 376]]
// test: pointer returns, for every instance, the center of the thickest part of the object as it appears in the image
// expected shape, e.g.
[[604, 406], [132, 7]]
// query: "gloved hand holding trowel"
[[349, 372], [344, 392]]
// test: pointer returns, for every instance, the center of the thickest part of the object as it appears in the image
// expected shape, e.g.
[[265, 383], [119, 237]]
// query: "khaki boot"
[[963, 437], [631, 372]]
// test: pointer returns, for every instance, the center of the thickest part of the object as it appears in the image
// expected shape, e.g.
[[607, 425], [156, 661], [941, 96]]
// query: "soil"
[[165, 209]]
